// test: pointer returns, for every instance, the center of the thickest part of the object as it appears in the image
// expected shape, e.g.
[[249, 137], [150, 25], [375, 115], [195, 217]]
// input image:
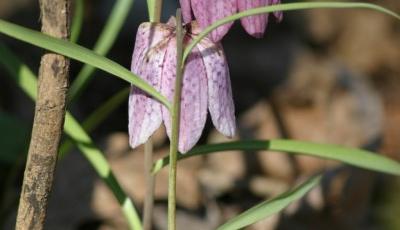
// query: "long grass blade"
[[270, 207], [79, 53], [103, 169], [27, 81], [356, 157], [114, 23], [285, 7], [77, 20], [97, 117]]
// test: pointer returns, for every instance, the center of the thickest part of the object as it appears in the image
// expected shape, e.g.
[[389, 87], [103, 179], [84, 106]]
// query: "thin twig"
[[48, 122]]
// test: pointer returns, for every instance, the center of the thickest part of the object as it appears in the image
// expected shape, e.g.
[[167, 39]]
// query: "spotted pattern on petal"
[[145, 112], [209, 11], [220, 101], [254, 25], [193, 98], [147, 36]]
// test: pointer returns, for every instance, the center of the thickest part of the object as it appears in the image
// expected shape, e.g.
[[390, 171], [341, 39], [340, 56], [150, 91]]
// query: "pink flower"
[[206, 85], [208, 11]]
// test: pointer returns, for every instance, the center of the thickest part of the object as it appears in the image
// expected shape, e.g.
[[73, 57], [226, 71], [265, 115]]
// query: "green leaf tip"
[[270, 207]]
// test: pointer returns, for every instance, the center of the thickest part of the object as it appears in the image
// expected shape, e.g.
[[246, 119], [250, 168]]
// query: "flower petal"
[[186, 10], [193, 98], [209, 11], [278, 14], [147, 36], [144, 111], [254, 25], [220, 101]]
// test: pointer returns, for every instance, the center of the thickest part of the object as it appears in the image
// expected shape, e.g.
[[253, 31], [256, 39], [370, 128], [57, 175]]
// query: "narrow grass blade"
[[285, 7], [23, 76], [270, 207], [79, 53], [100, 164], [73, 129], [77, 20], [106, 39], [97, 117], [356, 157]]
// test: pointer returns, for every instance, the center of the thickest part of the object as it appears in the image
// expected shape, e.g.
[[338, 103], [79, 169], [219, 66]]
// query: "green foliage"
[[78, 53], [73, 129], [270, 207], [356, 157], [97, 117], [286, 7], [95, 59], [106, 39], [77, 20]]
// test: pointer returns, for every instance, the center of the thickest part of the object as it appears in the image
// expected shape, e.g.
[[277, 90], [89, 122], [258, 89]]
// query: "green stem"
[[154, 8], [157, 10], [150, 179], [176, 109]]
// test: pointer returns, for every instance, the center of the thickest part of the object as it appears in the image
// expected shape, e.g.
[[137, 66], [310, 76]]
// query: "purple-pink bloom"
[[208, 11], [206, 85]]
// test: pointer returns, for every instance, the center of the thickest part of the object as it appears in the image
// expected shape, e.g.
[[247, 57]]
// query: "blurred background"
[[327, 76]]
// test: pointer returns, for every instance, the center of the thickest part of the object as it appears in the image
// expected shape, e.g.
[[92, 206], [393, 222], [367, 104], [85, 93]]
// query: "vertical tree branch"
[[48, 121]]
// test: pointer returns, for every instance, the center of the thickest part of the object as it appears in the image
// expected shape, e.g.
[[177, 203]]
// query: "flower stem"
[[176, 109], [150, 179], [154, 8]]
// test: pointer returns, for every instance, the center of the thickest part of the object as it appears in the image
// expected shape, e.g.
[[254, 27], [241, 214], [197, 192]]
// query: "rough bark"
[[48, 121]]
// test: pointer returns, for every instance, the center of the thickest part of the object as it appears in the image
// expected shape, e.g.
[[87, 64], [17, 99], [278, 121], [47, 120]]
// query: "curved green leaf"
[[270, 207], [285, 7], [78, 53], [356, 157], [23, 75], [106, 39], [100, 164]]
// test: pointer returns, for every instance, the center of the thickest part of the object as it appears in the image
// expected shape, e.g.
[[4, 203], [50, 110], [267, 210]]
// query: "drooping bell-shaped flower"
[[206, 86], [207, 12]]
